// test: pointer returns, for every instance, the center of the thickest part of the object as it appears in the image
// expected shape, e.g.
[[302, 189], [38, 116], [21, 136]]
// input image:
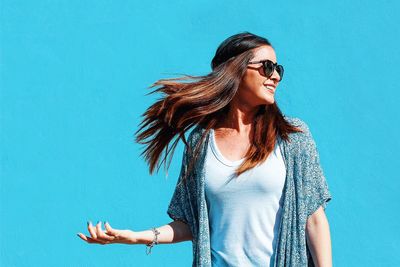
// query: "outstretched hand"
[[109, 236]]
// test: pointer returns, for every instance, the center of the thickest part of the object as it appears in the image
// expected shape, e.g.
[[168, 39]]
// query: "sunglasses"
[[269, 67]]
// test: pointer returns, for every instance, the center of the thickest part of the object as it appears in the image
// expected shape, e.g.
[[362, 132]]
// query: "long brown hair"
[[202, 101]]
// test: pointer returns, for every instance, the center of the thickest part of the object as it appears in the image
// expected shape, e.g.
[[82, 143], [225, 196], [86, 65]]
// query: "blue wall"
[[73, 82]]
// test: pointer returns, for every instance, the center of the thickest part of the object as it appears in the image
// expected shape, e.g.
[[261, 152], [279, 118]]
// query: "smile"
[[271, 89]]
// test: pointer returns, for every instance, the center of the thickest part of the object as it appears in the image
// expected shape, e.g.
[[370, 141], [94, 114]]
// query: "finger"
[[98, 229], [109, 230], [92, 231], [82, 236], [101, 235], [88, 239]]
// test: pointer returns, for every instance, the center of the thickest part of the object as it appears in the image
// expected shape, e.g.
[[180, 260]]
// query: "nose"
[[275, 76]]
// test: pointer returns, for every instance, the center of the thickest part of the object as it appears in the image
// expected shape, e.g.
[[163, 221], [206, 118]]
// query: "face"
[[256, 89]]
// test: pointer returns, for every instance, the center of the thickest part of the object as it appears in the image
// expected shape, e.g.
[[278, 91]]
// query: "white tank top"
[[244, 212]]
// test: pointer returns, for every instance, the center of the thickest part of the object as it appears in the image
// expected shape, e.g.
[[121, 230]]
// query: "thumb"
[[109, 230]]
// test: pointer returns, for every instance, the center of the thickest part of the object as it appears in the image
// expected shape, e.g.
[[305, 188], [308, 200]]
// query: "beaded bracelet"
[[154, 242]]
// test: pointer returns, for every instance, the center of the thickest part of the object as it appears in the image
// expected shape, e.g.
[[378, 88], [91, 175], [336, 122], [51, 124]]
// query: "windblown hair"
[[203, 100]]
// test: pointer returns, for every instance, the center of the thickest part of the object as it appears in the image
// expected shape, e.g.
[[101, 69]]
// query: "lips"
[[270, 87]]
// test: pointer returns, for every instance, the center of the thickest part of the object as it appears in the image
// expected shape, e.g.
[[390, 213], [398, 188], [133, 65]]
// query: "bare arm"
[[173, 232], [318, 238]]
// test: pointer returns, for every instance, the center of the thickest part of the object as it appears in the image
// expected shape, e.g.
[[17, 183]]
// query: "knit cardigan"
[[305, 190]]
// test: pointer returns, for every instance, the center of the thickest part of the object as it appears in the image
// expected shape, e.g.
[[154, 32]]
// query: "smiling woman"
[[266, 76], [251, 191]]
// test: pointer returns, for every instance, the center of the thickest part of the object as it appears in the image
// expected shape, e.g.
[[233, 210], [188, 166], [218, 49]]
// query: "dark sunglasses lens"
[[268, 68], [280, 71]]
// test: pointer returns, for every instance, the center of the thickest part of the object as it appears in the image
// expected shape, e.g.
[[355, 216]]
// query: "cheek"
[[251, 80]]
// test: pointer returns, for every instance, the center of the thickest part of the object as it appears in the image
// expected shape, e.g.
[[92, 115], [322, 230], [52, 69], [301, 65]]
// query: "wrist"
[[154, 241]]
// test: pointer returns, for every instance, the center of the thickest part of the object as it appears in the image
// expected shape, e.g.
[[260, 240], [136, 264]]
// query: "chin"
[[270, 102]]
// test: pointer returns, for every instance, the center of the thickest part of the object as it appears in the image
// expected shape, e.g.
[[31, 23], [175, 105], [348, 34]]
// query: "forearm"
[[319, 240], [173, 232]]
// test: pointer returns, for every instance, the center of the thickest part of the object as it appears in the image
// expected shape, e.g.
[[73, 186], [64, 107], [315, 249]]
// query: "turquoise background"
[[74, 75]]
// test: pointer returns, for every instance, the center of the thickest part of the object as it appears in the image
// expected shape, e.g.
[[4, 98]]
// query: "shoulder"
[[299, 123], [300, 140], [296, 121], [195, 135]]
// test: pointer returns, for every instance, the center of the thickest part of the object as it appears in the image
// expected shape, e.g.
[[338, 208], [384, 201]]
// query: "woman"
[[251, 191]]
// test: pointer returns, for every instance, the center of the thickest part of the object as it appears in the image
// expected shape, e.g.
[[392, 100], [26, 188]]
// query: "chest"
[[232, 147]]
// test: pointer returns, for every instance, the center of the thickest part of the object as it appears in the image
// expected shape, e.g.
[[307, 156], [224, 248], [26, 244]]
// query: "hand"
[[109, 236]]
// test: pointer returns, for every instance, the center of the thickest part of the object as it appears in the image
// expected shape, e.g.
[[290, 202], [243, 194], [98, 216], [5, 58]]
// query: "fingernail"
[[89, 222], [105, 222], [98, 222]]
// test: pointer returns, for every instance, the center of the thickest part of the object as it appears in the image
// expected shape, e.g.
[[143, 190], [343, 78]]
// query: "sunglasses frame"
[[276, 66]]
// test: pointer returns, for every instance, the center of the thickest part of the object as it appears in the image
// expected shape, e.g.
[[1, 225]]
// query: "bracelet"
[[154, 242]]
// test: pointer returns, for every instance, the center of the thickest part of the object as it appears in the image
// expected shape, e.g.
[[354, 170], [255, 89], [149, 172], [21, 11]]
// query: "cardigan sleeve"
[[179, 206], [316, 190]]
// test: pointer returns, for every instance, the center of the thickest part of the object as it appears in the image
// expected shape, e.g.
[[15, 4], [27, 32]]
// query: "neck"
[[239, 119]]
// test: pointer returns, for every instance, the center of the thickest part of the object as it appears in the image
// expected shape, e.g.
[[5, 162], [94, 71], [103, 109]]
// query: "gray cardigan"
[[304, 192]]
